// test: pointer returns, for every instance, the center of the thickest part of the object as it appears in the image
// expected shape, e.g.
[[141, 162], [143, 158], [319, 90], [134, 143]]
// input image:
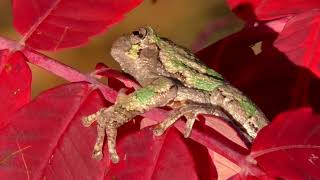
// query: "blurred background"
[[179, 20]]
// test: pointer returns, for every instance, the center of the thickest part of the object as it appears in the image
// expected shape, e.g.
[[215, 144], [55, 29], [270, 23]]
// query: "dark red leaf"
[[270, 9], [15, 84], [273, 9], [241, 177], [46, 139], [244, 8], [204, 161], [146, 156], [269, 78], [56, 24], [290, 147], [300, 40]]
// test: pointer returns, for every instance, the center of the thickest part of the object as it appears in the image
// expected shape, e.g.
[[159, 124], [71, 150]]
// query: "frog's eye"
[[141, 34]]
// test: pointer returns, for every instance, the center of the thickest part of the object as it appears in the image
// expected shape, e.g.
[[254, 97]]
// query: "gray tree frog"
[[170, 75]]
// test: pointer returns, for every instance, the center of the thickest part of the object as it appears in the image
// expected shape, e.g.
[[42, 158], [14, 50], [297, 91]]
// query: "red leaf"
[[270, 9], [244, 8], [267, 74], [103, 70], [269, 78], [15, 84], [56, 24], [241, 177], [46, 139], [204, 164], [290, 147], [148, 157], [235, 3], [273, 9], [300, 40]]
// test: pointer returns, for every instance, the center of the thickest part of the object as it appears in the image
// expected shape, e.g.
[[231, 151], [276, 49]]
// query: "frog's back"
[[188, 69], [184, 66]]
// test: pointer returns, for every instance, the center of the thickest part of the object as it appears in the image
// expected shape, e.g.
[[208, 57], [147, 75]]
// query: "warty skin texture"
[[170, 75]]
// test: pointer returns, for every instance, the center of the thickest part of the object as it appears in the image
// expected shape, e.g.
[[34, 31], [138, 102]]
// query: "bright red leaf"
[[56, 24], [46, 139], [273, 9], [15, 84], [270, 9], [146, 156], [300, 40], [290, 147]]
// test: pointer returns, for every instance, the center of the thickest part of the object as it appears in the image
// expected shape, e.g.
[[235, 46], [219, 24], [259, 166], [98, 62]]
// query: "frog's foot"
[[160, 128], [100, 118], [190, 112], [88, 120]]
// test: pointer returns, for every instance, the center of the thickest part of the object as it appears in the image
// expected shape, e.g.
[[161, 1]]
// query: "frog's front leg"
[[190, 111], [100, 118], [159, 93]]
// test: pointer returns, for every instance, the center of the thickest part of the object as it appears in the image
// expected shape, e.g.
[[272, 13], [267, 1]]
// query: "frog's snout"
[[121, 45]]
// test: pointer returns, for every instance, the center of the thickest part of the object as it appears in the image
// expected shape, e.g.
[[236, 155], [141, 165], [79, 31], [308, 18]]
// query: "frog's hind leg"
[[190, 112]]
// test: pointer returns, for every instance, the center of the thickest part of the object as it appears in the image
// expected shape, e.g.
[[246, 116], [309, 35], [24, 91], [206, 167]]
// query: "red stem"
[[57, 68]]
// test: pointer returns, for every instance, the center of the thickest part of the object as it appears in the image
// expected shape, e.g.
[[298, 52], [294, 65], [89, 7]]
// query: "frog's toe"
[[88, 120], [97, 155], [114, 158], [191, 118], [158, 130]]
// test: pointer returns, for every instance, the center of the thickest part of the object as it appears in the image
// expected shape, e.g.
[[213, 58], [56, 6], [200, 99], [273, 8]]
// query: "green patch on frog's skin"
[[133, 52], [249, 107], [144, 95], [204, 83], [178, 64], [153, 38], [197, 76], [214, 74]]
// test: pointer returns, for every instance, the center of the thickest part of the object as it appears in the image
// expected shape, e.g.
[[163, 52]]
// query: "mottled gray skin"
[[170, 75]]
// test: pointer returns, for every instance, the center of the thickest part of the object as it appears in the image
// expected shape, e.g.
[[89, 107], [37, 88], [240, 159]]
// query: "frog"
[[172, 76]]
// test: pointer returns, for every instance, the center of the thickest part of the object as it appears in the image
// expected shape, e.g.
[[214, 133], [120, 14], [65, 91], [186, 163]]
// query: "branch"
[[57, 68]]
